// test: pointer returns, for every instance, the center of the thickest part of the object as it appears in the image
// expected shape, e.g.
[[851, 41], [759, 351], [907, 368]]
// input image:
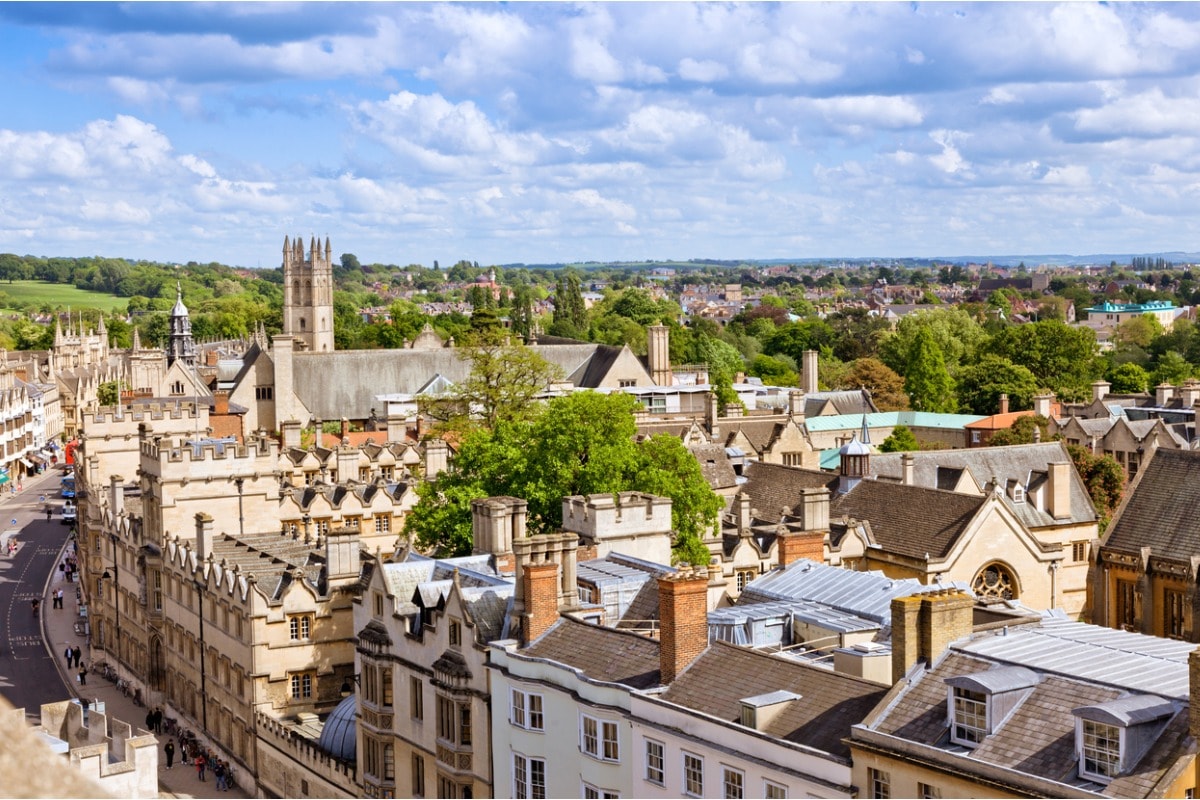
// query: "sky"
[[540, 133]]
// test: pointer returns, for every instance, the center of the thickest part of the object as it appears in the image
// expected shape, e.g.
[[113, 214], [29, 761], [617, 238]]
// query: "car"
[[69, 513]]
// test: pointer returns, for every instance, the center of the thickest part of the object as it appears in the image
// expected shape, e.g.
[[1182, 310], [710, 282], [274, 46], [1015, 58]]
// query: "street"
[[28, 675]]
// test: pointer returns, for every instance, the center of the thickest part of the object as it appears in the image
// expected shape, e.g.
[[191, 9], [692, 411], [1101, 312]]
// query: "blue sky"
[[539, 133]]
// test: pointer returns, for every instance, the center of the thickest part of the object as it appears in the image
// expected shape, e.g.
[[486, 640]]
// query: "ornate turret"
[[181, 347]]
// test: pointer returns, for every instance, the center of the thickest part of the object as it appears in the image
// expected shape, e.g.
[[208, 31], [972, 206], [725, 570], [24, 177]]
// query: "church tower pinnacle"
[[181, 347], [308, 293]]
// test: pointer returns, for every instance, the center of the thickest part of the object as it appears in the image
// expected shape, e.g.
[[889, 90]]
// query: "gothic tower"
[[308, 294], [181, 347]]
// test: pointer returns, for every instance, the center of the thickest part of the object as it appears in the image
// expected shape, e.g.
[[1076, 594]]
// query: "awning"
[[28, 464], [3, 479], [36, 458]]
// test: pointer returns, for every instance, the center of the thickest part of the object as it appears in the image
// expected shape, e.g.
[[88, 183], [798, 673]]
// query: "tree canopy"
[[578, 444]]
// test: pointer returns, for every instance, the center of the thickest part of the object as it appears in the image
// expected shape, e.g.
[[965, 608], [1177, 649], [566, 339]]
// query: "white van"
[[68, 513]]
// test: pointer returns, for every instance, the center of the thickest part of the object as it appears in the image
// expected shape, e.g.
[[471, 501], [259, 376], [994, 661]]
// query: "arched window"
[[995, 582], [302, 324]]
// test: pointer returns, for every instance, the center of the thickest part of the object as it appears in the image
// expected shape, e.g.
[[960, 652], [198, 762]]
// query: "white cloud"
[[702, 71], [949, 160], [871, 110], [1150, 113]]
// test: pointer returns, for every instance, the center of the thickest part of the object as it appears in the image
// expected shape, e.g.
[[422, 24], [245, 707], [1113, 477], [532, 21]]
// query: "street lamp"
[[116, 584], [347, 689]]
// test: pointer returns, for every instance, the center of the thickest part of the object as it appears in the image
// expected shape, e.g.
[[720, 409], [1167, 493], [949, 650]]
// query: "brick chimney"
[[683, 625], [221, 402], [795, 545], [541, 599], [345, 428], [924, 625], [1003, 404], [1058, 489]]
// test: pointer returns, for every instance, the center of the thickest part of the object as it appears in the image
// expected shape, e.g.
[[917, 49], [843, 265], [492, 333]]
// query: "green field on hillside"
[[19, 293]]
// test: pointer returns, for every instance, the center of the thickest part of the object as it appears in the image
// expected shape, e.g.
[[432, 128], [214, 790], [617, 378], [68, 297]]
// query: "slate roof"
[[1079, 666], [1160, 509], [602, 654], [773, 487], [1025, 463], [714, 465], [829, 702], [909, 520]]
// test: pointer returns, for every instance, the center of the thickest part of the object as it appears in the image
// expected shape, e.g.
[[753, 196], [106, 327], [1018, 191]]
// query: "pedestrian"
[[83, 675], [49, 513], [78, 655], [58, 598], [69, 655], [200, 764], [35, 603], [158, 718], [150, 720], [170, 751], [62, 565], [219, 776]]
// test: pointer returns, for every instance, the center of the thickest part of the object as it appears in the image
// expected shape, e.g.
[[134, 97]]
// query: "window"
[[655, 762], [454, 720], [598, 738], [793, 459], [745, 576], [455, 633], [416, 698], [595, 793], [625, 383], [995, 582], [418, 775], [693, 775], [385, 680], [1079, 551], [302, 685], [264, 392], [976, 437], [969, 717], [526, 711], [1101, 750], [1126, 605], [928, 792], [389, 763], [734, 783], [158, 590], [774, 791], [300, 626], [1173, 613], [383, 523], [879, 783], [378, 597], [529, 777]]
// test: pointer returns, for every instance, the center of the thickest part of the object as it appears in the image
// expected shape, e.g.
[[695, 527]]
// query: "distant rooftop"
[[1132, 308]]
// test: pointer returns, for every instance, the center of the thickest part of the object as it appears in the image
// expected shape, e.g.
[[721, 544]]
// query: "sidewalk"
[[58, 632]]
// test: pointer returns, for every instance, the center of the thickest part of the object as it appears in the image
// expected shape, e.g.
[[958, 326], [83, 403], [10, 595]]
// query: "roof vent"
[[761, 710]]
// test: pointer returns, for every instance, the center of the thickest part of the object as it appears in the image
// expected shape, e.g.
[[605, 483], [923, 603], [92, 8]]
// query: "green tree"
[[901, 440], [1129, 378], [570, 314], [1104, 479], [1172, 368], [926, 380], [579, 444], [502, 386], [957, 333], [107, 393], [1022, 431], [774, 371], [981, 384], [1061, 357], [1139, 331]]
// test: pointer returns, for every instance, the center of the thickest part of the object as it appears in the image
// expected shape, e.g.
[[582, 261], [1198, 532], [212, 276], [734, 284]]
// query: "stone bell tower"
[[308, 294]]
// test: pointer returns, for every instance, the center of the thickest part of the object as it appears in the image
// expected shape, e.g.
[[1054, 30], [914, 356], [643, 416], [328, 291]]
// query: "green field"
[[19, 293]]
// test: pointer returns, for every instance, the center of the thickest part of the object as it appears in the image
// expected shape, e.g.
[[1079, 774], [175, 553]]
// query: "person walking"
[[78, 655], [200, 765], [169, 749], [83, 675], [69, 655], [58, 598], [219, 776], [150, 721]]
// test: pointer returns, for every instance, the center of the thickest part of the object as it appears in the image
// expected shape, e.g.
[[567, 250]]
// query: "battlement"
[[605, 516], [150, 412], [280, 735], [211, 450]]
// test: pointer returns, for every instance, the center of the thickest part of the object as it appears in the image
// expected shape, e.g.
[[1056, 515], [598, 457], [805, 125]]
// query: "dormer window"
[[1110, 738], [979, 704]]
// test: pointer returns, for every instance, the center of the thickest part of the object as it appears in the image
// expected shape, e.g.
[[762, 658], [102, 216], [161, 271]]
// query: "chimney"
[[318, 425], [495, 523], [658, 355], [437, 458], [204, 536], [714, 429], [808, 373], [814, 508], [1041, 404], [290, 433], [541, 599], [796, 406], [221, 402], [924, 625], [1100, 390], [683, 625], [908, 469], [1003, 403], [1189, 393], [117, 495], [744, 514], [345, 428], [397, 430], [342, 555], [795, 545], [347, 463], [1163, 394], [1058, 489]]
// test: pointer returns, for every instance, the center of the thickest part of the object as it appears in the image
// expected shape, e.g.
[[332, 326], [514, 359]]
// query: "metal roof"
[[1131, 661], [1125, 711], [890, 419], [996, 680]]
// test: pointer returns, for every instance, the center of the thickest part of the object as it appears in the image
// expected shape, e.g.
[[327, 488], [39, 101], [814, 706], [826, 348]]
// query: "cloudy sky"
[[540, 133]]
